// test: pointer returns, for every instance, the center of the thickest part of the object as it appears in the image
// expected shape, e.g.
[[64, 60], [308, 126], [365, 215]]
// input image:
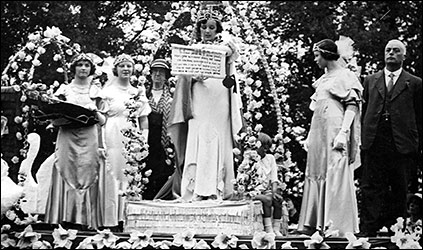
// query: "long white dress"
[[329, 191], [113, 177], [208, 168]]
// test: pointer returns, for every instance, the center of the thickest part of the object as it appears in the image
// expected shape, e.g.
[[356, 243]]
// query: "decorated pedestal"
[[204, 217]]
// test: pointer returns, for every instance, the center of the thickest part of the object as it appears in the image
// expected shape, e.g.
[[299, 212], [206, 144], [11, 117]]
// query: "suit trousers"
[[384, 182]]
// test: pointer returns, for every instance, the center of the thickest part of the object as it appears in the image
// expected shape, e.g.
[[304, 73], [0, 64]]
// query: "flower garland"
[[19, 76], [247, 183], [135, 152]]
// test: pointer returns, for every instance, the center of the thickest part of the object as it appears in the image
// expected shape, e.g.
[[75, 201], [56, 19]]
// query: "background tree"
[[285, 30]]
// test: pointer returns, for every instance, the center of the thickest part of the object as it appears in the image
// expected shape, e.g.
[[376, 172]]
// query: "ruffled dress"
[[329, 191], [73, 193], [113, 180]]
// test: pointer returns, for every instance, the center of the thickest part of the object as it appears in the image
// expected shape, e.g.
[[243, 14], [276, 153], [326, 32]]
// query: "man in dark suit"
[[391, 139]]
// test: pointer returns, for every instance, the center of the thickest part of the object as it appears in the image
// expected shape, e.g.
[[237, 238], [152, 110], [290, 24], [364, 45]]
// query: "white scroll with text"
[[189, 60]]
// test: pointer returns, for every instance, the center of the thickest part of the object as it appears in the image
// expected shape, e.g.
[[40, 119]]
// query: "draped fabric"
[[73, 193], [182, 112], [113, 178], [329, 191]]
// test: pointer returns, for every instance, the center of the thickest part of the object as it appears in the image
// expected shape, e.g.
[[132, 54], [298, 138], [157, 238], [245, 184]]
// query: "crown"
[[123, 58], [82, 57], [209, 14]]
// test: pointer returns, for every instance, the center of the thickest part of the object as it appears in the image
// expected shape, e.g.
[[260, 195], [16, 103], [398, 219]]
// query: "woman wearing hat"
[[205, 117], [329, 192], [160, 100], [73, 194], [116, 93]]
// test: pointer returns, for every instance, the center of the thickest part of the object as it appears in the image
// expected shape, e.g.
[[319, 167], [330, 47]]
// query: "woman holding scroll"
[[205, 115]]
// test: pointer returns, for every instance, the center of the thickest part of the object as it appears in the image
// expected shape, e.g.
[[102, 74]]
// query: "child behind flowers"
[[270, 198]]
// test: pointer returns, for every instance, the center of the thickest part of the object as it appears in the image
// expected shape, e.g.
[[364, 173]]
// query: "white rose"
[[138, 67], [36, 62], [57, 57], [41, 50], [30, 46], [21, 55]]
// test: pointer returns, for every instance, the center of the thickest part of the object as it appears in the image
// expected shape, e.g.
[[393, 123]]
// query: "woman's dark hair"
[[328, 49], [73, 65], [219, 28], [265, 140]]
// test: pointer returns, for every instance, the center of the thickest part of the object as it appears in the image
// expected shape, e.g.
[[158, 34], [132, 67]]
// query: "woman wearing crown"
[[116, 92], [205, 115]]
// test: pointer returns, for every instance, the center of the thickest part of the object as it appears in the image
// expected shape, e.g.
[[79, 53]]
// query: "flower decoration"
[[42, 244], [318, 238], [63, 238], [87, 243], [165, 244], [406, 234], [287, 245], [105, 238], [22, 75], [141, 240], [27, 237], [316, 241], [263, 240], [123, 245], [185, 239], [354, 243], [7, 242], [248, 183], [202, 244], [224, 241], [135, 151]]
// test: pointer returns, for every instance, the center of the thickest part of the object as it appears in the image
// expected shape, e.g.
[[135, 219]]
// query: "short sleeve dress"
[[113, 177], [73, 193], [329, 191]]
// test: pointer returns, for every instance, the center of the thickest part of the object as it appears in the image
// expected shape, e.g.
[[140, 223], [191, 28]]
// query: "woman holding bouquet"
[[117, 92], [205, 115], [73, 194]]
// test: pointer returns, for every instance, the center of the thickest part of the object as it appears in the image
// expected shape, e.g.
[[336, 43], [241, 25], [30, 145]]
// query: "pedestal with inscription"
[[203, 217]]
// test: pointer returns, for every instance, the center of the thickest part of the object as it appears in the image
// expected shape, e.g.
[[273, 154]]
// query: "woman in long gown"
[[203, 135], [116, 93], [329, 192], [73, 193]]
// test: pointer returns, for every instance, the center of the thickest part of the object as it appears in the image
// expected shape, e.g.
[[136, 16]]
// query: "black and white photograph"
[[211, 124]]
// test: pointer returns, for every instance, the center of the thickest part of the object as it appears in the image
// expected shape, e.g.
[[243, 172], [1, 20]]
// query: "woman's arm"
[[340, 141]]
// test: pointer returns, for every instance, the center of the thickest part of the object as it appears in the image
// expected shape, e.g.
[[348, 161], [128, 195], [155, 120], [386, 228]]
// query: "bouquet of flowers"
[[248, 182], [135, 152], [407, 234]]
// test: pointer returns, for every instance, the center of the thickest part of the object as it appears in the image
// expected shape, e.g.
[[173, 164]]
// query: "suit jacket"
[[404, 106]]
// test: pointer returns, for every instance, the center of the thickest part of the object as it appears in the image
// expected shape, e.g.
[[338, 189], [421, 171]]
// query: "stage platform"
[[206, 219]]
